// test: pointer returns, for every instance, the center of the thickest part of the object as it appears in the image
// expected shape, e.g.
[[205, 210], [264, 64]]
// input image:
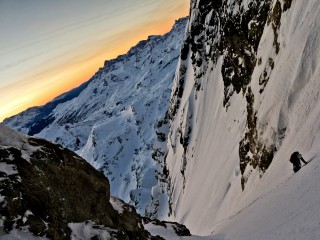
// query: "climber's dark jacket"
[[296, 159]]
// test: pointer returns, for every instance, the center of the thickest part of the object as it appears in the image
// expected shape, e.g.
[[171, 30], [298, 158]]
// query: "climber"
[[295, 160]]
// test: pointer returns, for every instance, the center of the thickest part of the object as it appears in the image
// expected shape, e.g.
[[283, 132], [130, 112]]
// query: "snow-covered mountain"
[[115, 119], [246, 96], [49, 192]]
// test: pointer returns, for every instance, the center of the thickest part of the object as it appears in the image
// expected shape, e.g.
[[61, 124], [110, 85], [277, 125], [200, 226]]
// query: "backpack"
[[294, 157]]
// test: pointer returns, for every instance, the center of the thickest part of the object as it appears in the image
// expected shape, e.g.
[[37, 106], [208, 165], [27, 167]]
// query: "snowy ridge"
[[228, 150], [115, 120], [9, 138]]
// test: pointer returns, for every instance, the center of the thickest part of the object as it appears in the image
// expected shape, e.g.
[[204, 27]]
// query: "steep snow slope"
[[245, 97], [115, 120]]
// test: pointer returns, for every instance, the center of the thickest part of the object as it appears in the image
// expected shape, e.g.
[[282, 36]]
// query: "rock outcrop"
[[45, 188]]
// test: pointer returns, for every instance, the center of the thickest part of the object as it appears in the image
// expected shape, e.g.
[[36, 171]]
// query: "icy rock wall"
[[247, 81]]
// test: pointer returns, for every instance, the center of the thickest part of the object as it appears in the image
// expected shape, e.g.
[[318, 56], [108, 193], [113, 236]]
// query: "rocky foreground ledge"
[[50, 192]]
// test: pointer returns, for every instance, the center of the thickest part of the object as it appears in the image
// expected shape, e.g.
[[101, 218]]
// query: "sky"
[[49, 47]]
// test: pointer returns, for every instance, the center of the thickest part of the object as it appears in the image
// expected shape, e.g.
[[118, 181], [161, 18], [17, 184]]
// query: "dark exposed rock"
[[232, 35], [252, 150], [180, 229], [275, 21], [287, 4], [264, 77], [56, 187]]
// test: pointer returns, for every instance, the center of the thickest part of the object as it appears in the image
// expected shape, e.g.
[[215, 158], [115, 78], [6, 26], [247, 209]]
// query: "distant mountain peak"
[[112, 119]]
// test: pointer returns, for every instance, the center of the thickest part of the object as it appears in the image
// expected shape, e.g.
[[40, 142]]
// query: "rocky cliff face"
[[230, 31], [245, 72], [116, 120], [45, 188]]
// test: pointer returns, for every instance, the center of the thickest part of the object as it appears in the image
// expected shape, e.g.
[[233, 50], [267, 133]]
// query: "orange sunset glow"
[[57, 55]]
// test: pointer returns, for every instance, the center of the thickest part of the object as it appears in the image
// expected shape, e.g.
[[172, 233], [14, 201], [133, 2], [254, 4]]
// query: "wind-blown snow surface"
[[114, 120], [203, 157]]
